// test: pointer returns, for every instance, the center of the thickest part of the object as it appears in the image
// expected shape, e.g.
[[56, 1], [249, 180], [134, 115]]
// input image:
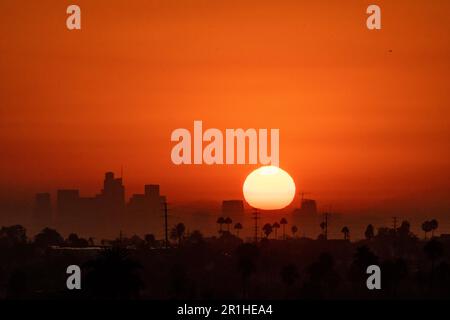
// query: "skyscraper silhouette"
[[42, 210]]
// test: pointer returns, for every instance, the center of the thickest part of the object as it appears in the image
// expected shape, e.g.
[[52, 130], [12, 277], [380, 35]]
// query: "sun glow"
[[269, 188]]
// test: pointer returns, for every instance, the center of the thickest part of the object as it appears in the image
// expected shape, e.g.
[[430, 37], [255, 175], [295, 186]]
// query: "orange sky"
[[356, 121]]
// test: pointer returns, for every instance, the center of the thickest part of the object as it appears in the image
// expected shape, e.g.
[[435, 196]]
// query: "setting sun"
[[269, 188]]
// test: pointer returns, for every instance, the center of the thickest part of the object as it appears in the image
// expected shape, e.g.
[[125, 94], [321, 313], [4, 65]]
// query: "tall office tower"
[[113, 190], [145, 213]]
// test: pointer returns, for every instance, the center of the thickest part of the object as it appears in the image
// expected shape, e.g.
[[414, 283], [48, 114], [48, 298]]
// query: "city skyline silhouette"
[[352, 98]]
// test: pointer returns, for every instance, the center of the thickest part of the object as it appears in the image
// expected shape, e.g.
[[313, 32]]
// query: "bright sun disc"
[[269, 188]]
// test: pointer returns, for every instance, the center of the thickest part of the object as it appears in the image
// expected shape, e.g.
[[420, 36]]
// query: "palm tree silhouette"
[[177, 232], [323, 226], [228, 221], [294, 230], [363, 258], [433, 225], [237, 227], [220, 221], [404, 230], [434, 250], [196, 237], [267, 229], [289, 274], [276, 226], [247, 255], [284, 222], [369, 232], [114, 264], [426, 227], [346, 232]]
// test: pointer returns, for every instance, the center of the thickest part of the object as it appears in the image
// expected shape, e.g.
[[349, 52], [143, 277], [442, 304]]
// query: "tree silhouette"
[[180, 285], [284, 222], [276, 226], [442, 277], [237, 227], [136, 241], [369, 233], [13, 235], [196, 237], [433, 225], [18, 286], [48, 237], [289, 274], [246, 254], [220, 221], [346, 232], [394, 271], [177, 232], [113, 275], [362, 258], [228, 221], [404, 229], [426, 227], [74, 241], [150, 240], [294, 231], [267, 229], [434, 250], [323, 278]]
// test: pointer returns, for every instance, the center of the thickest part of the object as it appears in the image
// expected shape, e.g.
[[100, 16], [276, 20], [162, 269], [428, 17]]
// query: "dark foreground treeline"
[[223, 267]]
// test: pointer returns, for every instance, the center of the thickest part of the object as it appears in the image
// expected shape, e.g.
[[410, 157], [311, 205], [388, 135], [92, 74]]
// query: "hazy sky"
[[363, 115]]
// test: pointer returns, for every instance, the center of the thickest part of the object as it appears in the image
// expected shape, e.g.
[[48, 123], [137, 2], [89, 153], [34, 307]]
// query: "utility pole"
[[256, 217], [325, 223]]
